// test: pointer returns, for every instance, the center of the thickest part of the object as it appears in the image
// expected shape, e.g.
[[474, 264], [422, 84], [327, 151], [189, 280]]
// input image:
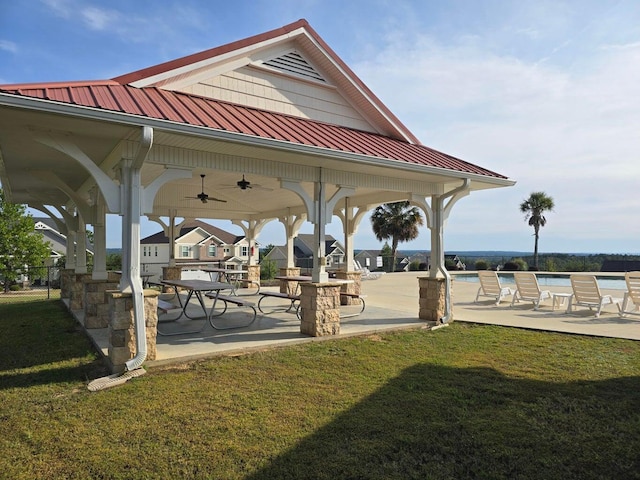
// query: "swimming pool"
[[610, 281]]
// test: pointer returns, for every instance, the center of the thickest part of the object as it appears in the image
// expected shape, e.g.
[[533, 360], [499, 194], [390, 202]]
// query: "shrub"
[[515, 264], [414, 266], [268, 270], [481, 265]]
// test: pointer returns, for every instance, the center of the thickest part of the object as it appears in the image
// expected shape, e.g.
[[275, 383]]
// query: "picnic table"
[[232, 276], [197, 289]]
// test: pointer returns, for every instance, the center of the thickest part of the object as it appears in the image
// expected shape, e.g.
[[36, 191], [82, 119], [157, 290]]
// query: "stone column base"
[[122, 334], [351, 288], [432, 299], [170, 273], [320, 309], [290, 288], [76, 294], [253, 273], [96, 303], [67, 277]]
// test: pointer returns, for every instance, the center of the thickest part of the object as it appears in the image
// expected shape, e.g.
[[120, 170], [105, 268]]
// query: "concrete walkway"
[[392, 304]]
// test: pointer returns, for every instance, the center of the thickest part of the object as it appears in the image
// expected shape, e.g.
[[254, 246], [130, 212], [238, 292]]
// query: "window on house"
[[156, 252], [212, 250], [244, 251], [367, 262], [144, 251], [184, 250], [227, 250]]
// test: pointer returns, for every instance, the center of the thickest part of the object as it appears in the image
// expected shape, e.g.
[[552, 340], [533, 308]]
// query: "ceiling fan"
[[203, 197], [245, 184]]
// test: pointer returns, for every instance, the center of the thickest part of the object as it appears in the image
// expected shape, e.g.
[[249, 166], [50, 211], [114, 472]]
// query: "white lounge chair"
[[527, 289], [586, 293], [632, 295], [366, 273], [490, 286]]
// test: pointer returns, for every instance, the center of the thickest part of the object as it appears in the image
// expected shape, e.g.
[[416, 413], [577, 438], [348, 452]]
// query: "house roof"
[[304, 241], [199, 111], [224, 236]]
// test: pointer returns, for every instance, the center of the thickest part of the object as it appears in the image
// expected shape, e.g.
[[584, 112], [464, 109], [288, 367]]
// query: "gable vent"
[[294, 63]]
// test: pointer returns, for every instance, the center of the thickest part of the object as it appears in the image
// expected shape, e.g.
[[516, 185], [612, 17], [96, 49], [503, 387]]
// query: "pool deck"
[[392, 304]]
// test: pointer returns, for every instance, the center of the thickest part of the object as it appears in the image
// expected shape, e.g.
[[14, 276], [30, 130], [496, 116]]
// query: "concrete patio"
[[392, 304]]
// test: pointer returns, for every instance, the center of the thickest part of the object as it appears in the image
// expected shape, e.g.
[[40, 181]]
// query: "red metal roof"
[[182, 108]]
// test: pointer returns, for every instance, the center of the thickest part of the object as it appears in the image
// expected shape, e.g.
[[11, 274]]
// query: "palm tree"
[[533, 209], [397, 221]]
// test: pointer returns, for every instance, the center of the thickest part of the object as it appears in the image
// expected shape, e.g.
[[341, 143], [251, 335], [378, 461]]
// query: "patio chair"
[[632, 295], [490, 286], [366, 274], [527, 289], [586, 293]]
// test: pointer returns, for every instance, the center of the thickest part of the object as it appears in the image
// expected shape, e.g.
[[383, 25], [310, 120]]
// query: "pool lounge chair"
[[527, 289], [632, 295], [586, 293], [490, 286]]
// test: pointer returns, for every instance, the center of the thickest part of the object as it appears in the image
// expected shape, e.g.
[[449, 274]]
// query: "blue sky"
[[545, 92]]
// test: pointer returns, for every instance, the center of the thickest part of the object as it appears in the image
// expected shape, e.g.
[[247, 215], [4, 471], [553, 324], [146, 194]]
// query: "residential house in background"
[[372, 260], [46, 227], [197, 243], [303, 253], [369, 259], [57, 241]]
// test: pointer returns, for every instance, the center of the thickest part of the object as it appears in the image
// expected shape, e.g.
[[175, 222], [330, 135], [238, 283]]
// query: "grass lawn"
[[461, 402]]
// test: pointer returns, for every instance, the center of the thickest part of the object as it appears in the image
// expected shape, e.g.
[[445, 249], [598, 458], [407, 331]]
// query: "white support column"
[[437, 238], [292, 225], [252, 229], [319, 272], [132, 187], [81, 247], [70, 262], [170, 230], [351, 217], [99, 241]]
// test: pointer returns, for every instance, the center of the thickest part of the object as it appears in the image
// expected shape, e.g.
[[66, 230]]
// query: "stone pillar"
[[432, 299], [122, 332], [320, 309], [253, 273], [67, 276], [352, 288], [290, 288], [76, 295], [96, 303], [170, 273]]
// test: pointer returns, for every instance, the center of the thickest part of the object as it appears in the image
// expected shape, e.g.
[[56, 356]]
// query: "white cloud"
[[99, 18], [8, 46]]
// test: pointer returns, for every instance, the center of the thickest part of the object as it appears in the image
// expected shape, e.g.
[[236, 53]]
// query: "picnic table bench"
[[166, 307], [292, 298], [360, 297], [226, 299]]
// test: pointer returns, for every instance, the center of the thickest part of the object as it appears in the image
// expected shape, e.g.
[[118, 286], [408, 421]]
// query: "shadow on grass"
[[42, 333], [440, 422]]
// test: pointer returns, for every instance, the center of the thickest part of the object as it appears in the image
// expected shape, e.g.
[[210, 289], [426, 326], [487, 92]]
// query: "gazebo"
[[271, 127]]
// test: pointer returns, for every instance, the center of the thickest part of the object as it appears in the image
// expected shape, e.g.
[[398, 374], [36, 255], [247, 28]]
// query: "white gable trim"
[[228, 61]]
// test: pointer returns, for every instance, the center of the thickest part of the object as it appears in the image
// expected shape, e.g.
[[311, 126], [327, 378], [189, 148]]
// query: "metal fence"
[[34, 283]]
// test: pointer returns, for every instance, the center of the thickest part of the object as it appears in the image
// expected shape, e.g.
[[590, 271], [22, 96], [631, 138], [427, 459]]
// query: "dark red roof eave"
[[188, 109]]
